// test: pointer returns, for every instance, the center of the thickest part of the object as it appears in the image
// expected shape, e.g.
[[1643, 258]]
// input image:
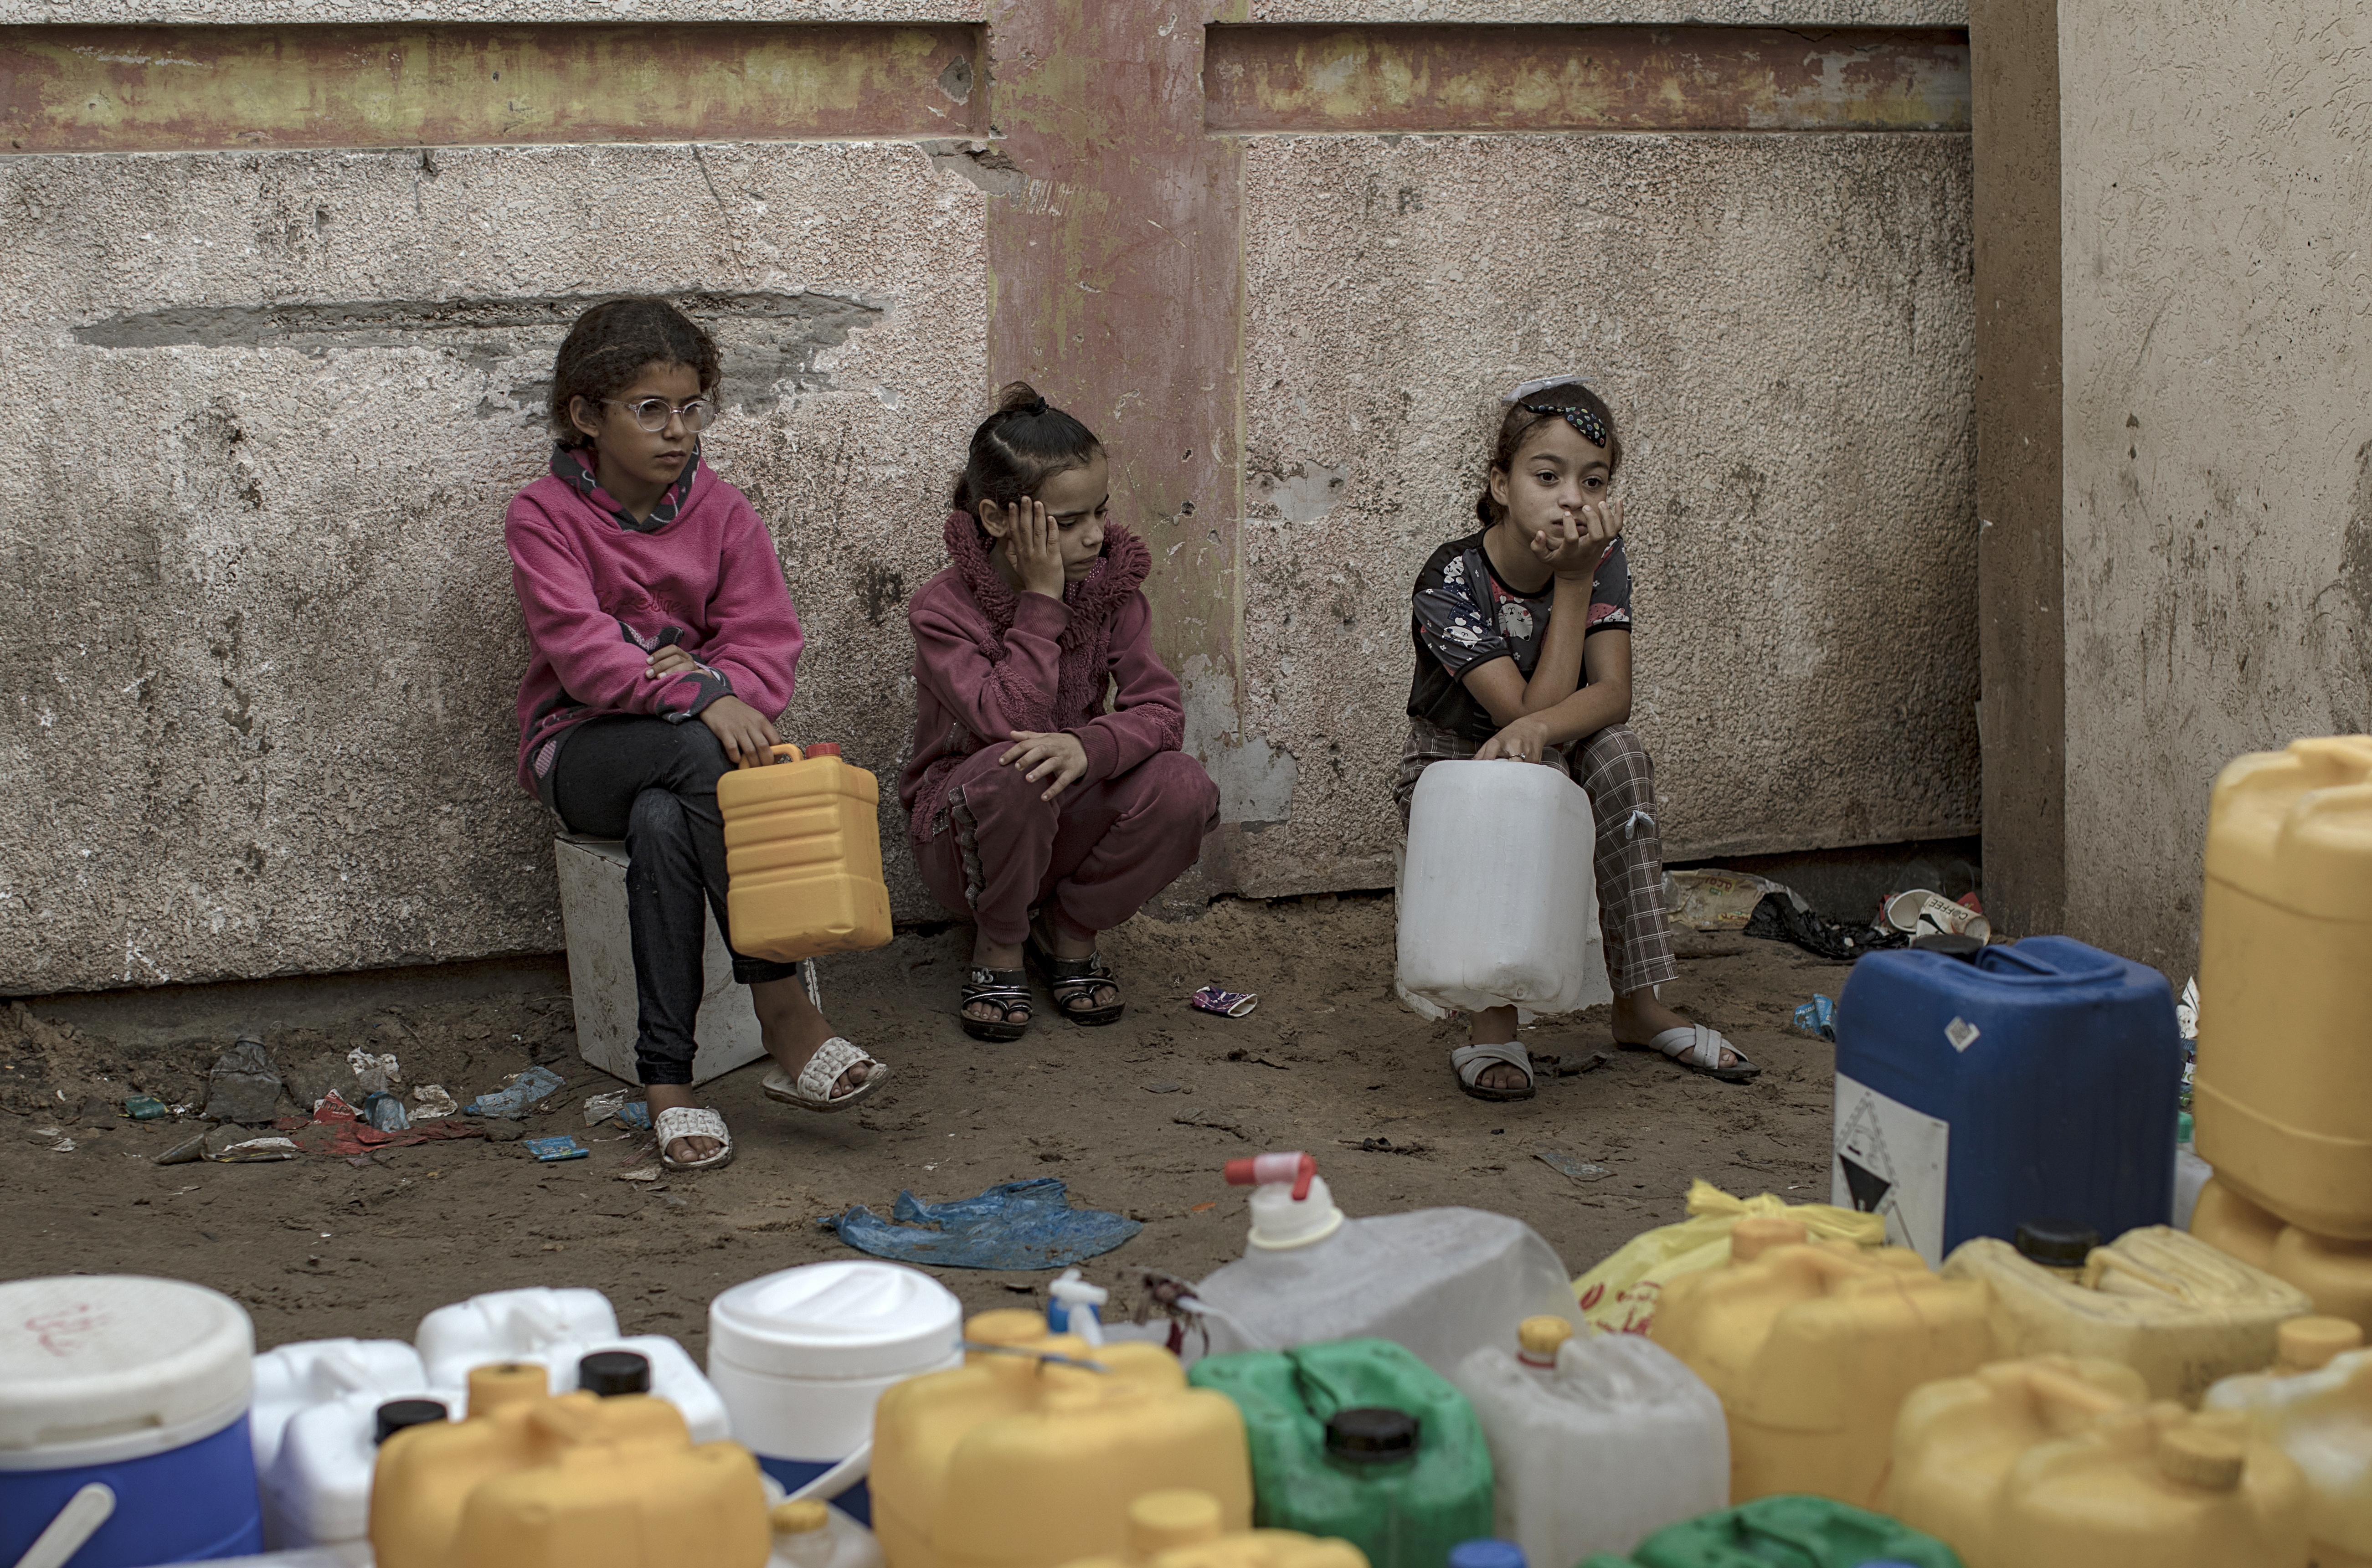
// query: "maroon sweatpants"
[[1095, 854]]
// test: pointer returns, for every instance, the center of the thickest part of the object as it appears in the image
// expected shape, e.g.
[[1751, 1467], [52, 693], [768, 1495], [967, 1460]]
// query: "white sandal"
[[813, 1091], [1699, 1050], [1469, 1063], [687, 1121]]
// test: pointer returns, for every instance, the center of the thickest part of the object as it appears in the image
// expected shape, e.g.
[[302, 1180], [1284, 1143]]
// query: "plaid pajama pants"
[[1614, 768]]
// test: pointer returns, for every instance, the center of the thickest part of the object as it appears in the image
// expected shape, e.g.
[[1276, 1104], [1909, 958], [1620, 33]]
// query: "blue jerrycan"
[[2036, 1081]]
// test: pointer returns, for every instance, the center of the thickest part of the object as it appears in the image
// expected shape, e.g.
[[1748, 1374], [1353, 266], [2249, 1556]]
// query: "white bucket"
[[801, 1357]]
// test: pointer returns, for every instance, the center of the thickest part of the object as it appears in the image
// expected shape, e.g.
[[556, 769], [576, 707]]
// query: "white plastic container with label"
[[556, 1328], [1597, 1442], [1444, 1283], [800, 1358], [1490, 916]]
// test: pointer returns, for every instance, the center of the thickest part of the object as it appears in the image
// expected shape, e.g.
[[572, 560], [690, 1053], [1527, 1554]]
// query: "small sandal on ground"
[[1006, 990], [1699, 1050], [1077, 980], [812, 1089], [1470, 1062], [687, 1122]]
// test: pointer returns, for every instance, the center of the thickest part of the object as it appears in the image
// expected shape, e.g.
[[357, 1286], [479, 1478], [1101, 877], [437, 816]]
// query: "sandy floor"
[[1137, 1117]]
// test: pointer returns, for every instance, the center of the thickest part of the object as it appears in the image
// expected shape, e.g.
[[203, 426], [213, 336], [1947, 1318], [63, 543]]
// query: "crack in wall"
[[768, 338]]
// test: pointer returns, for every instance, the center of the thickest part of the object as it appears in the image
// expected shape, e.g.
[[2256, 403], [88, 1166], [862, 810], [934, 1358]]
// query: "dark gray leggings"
[[654, 784]]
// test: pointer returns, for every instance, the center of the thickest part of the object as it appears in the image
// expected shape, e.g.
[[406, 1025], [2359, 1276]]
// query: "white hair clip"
[[1519, 393]]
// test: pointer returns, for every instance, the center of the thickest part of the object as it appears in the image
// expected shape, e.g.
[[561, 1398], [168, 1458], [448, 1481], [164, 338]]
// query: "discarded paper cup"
[[1922, 912]]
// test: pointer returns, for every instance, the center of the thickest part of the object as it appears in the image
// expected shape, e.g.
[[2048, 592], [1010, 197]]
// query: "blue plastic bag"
[[1017, 1225], [525, 1092]]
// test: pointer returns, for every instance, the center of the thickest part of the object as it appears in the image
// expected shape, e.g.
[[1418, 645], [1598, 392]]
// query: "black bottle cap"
[[397, 1414], [2056, 1243], [1951, 943], [1371, 1434], [607, 1372]]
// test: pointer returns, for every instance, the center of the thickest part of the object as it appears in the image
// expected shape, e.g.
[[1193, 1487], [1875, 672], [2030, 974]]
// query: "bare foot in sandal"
[[1496, 1025], [1084, 994], [1640, 1016], [794, 1030]]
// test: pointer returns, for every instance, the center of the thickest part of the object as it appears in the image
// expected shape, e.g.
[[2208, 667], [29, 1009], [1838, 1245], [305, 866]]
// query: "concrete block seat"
[[602, 970]]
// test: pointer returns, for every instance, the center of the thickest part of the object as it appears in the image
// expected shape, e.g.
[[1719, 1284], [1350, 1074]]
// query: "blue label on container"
[[1891, 1160]]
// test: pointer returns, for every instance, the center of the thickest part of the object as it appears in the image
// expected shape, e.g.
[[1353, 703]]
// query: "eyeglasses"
[[653, 413]]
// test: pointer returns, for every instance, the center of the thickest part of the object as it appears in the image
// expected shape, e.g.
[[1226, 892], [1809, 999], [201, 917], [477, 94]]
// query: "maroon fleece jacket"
[[601, 592], [989, 661]]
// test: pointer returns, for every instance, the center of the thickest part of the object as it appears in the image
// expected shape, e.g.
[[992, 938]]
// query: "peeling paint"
[[1417, 77], [1255, 778], [160, 89]]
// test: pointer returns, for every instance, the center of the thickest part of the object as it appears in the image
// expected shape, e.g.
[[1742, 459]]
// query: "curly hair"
[[1018, 448], [1529, 414], [611, 342]]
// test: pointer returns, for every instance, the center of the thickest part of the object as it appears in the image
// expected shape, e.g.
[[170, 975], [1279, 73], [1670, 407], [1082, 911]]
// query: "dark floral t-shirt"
[[1463, 615]]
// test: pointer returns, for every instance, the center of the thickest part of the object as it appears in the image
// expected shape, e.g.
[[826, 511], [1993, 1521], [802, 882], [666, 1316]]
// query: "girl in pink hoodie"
[[1037, 812], [663, 642]]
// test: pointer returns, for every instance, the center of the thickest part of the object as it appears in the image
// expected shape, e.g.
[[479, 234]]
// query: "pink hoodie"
[[989, 661], [601, 592]]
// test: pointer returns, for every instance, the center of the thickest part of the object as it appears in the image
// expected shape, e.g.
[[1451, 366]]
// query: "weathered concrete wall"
[[1781, 324], [2219, 449], [257, 694], [261, 672]]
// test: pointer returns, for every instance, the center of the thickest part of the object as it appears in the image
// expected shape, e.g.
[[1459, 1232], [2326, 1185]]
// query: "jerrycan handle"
[[2022, 961], [786, 752]]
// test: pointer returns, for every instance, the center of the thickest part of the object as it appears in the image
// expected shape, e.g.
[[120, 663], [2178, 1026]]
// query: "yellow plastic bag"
[[1619, 1295]]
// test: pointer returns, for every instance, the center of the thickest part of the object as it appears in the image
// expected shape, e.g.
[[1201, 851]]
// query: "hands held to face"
[[1573, 545], [1033, 542]]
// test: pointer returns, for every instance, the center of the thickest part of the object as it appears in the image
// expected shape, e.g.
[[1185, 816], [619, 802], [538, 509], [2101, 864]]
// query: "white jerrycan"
[[556, 1330], [1597, 1442], [1440, 1281], [1498, 899], [314, 1406]]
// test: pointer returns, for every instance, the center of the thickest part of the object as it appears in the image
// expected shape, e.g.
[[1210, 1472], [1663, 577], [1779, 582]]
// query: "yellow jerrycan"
[[1811, 1350], [2052, 1463], [1957, 1439], [2177, 1310], [2316, 1405], [803, 856], [528, 1480], [2336, 1275], [1182, 1528], [2282, 1097], [1030, 1454]]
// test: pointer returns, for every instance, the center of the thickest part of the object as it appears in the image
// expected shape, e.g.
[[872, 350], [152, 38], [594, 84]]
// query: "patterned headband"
[[1586, 424]]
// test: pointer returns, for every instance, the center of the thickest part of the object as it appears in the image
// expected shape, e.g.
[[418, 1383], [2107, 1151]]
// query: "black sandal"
[[1077, 980], [1007, 991]]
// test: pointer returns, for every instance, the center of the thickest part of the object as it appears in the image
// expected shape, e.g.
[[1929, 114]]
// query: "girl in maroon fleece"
[[664, 642], [1041, 815]]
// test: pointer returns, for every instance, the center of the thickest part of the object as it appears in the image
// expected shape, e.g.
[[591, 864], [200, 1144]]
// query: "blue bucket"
[[137, 1387]]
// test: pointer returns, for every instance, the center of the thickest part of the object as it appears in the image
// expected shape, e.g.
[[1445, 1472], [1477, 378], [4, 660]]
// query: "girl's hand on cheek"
[[1056, 756], [1034, 544], [1526, 741], [747, 736]]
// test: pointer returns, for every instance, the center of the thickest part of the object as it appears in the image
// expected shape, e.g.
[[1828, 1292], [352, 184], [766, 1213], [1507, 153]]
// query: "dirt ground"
[[1137, 1117]]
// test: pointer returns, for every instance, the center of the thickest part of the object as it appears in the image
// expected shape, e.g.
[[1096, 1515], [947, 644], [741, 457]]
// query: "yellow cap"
[[1174, 1516], [803, 1517], [1540, 1336], [2306, 1344], [2198, 1455], [505, 1383], [1755, 1235]]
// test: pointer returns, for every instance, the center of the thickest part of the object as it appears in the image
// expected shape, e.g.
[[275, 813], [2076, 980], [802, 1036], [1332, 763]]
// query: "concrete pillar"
[[2014, 72]]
